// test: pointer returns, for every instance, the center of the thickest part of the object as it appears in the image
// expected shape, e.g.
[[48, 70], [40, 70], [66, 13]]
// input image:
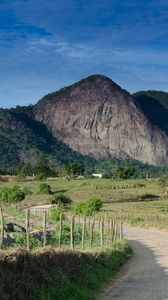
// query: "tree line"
[[109, 168]]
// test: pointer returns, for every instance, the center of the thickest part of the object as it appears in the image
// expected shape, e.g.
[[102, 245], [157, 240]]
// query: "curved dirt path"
[[146, 275]]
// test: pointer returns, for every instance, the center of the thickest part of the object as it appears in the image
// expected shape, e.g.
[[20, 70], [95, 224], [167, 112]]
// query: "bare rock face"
[[98, 118]]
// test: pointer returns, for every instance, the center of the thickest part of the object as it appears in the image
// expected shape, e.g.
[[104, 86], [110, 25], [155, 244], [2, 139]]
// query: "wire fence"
[[68, 231]]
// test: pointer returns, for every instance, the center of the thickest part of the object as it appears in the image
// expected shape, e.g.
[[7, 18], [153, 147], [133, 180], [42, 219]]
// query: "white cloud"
[[97, 53]]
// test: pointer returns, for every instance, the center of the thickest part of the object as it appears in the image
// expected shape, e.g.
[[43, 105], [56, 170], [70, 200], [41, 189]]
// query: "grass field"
[[136, 202], [64, 274]]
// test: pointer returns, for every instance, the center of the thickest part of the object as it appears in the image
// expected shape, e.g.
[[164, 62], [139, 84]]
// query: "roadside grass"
[[59, 274]]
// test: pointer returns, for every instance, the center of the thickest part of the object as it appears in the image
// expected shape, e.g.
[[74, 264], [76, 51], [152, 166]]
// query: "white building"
[[97, 175]]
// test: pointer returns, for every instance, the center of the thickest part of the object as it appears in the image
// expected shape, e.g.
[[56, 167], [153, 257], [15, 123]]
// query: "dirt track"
[[146, 275]]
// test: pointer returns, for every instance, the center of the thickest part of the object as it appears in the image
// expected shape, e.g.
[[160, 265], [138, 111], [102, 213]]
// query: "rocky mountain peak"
[[97, 117]]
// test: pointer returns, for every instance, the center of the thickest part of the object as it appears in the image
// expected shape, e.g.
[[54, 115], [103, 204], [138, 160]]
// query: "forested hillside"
[[154, 105]]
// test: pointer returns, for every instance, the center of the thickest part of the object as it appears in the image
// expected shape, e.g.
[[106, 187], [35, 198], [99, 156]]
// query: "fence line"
[[68, 231]]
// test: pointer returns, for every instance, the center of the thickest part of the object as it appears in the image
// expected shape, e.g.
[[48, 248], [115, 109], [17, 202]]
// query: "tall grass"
[[59, 274]]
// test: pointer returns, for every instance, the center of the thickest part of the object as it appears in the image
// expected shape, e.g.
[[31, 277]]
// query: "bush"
[[55, 214], [20, 178], [45, 188], [3, 179], [27, 191], [40, 176], [80, 208], [60, 200], [94, 204], [163, 181], [20, 240], [12, 195], [88, 207]]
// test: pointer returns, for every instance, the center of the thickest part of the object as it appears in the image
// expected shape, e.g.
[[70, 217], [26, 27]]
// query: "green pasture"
[[136, 202]]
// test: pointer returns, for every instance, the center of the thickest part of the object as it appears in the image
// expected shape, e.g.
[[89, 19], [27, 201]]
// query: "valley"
[[53, 207]]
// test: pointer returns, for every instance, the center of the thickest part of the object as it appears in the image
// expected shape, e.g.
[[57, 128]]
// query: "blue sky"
[[45, 45]]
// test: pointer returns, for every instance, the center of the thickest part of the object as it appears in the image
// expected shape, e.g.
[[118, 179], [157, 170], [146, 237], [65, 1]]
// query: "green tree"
[[26, 170], [124, 172], [42, 165], [19, 168], [163, 181], [75, 169]]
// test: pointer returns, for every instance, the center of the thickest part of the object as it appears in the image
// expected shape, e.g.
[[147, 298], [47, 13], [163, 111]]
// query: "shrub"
[[20, 178], [12, 195], [20, 238], [163, 181], [55, 214], [80, 208], [40, 176], [45, 188], [3, 179], [60, 200], [27, 191], [88, 207], [136, 220], [94, 204]]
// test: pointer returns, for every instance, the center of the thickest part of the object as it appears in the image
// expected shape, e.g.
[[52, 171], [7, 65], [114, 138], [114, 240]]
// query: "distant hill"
[[154, 105]]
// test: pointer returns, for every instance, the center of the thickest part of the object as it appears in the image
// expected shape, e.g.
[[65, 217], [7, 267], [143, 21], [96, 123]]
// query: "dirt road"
[[146, 275]]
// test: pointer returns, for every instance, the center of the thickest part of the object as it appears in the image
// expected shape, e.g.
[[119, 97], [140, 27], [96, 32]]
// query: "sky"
[[46, 45]]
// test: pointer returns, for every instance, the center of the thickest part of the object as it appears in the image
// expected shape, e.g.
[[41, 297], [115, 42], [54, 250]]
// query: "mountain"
[[98, 118], [22, 138], [154, 105], [89, 120]]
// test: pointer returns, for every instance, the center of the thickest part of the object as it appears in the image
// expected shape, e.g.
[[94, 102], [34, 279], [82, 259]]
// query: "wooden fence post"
[[99, 222], [83, 232], [2, 228], [72, 232], [120, 234], [115, 231], [27, 230], [111, 231], [44, 228], [89, 223], [60, 231], [107, 232], [101, 232], [122, 230], [91, 233]]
